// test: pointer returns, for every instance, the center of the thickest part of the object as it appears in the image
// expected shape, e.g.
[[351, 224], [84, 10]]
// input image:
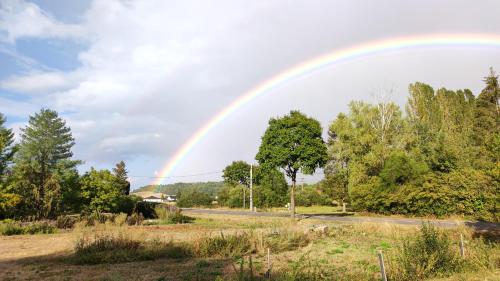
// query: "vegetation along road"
[[353, 219]]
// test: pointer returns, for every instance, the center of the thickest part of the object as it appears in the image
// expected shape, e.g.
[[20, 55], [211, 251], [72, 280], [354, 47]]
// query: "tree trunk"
[[292, 200]]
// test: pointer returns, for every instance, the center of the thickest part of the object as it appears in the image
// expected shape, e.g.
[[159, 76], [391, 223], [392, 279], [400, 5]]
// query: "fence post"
[[268, 272], [462, 250], [343, 207], [382, 266]]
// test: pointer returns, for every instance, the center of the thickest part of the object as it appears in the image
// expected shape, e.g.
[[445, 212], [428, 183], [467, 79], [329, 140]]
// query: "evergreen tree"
[[120, 172], [8, 200], [44, 175], [7, 150], [487, 122]]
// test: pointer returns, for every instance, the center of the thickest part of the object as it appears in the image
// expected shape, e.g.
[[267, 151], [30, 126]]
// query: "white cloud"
[[155, 71], [42, 82], [20, 19]]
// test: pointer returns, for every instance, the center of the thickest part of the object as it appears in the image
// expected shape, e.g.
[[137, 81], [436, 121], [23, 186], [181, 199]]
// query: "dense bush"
[[310, 195], [192, 197], [147, 209]]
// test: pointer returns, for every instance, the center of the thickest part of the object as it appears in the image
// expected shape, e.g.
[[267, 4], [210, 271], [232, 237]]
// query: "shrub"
[[18, 228], [427, 255], [135, 219], [121, 219], [309, 196], [65, 221], [191, 198], [171, 215], [147, 209]]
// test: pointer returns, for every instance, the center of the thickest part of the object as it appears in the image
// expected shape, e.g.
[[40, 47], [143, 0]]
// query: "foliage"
[[427, 255], [101, 190], [66, 221], [44, 174], [18, 228], [310, 195], [171, 215], [7, 151], [440, 159], [192, 197], [120, 172], [210, 188], [236, 173], [270, 191], [292, 143]]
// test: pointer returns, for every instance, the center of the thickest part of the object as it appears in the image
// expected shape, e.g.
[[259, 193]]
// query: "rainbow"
[[317, 63]]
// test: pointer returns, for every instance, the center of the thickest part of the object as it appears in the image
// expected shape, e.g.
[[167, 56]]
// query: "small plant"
[[66, 222], [426, 255], [121, 219], [135, 219]]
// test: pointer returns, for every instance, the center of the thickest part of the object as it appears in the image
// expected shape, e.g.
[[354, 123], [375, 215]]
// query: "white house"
[[153, 198]]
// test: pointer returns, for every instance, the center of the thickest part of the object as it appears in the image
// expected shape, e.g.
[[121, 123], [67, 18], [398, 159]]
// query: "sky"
[[135, 79]]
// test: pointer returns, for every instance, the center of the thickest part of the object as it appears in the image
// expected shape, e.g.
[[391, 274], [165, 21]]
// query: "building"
[[156, 197]]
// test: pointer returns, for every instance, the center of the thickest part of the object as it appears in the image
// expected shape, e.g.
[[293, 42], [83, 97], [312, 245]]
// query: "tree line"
[[39, 177], [439, 156]]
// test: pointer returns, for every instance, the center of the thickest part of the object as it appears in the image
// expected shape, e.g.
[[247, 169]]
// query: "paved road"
[[325, 217]]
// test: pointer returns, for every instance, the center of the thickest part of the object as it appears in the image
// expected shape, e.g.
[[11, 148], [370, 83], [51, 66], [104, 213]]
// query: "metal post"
[[382, 266]]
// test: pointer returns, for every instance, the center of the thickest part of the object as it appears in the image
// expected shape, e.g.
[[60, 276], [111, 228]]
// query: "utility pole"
[[251, 189]]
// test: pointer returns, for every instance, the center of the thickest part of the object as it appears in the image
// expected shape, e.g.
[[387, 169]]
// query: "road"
[[480, 226]]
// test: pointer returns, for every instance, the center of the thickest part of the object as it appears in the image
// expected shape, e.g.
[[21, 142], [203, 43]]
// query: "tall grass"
[[114, 248]]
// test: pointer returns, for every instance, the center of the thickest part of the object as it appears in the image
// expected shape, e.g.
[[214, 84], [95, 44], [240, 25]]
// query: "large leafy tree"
[[121, 174], [293, 143], [45, 175]]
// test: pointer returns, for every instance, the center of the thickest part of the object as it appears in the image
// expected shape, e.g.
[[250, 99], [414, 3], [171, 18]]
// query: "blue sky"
[[134, 79]]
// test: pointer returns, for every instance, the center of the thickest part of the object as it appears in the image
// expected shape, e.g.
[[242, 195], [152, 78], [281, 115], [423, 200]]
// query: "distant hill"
[[211, 187]]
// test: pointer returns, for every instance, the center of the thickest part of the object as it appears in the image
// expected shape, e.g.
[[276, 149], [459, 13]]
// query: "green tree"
[[293, 143], [7, 149], [487, 123], [101, 191], [8, 200], [45, 176], [236, 173], [121, 174]]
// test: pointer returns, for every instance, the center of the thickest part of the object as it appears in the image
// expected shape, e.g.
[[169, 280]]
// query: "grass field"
[[213, 248]]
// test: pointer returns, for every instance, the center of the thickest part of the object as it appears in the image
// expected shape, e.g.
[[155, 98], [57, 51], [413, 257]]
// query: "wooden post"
[[382, 266], [462, 250], [343, 207], [268, 272]]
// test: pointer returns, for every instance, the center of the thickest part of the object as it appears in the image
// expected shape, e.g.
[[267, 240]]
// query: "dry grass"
[[348, 252]]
